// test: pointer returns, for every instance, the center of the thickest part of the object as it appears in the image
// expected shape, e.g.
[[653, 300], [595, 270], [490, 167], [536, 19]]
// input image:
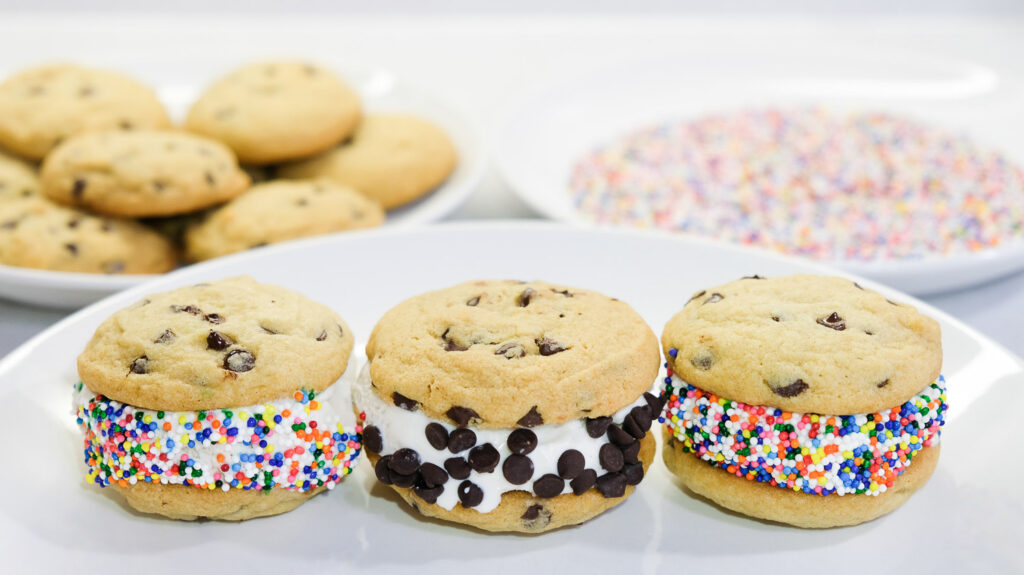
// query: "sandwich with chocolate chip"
[[217, 401], [807, 400], [510, 406]]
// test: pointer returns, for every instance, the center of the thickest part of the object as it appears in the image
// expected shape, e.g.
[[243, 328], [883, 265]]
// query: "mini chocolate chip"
[[457, 467], [382, 470], [714, 298], [78, 188], [191, 309], [583, 482], [469, 494], [268, 330], [461, 439], [702, 360], [567, 293], [451, 344], [302, 202], [597, 426], [753, 277], [630, 426], [239, 360], [549, 346], [524, 298], [775, 318], [71, 247], [125, 124], [166, 337], [866, 332], [612, 485], [437, 436], [139, 365], [792, 390], [210, 179], [510, 350], [858, 286], [882, 384], [372, 439], [404, 402], [548, 486], [73, 222], [833, 321], [892, 302], [610, 457], [472, 302], [696, 295], [631, 453], [633, 473], [461, 415], [428, 494], [113, 267], [619, 436], [159, 185], [484, 458], [9, 224], [531, 419], [433, 475], [401, 480], [322, 336], [570, 464], [522, 441], [218, 342], [517, 469], [405, 461]]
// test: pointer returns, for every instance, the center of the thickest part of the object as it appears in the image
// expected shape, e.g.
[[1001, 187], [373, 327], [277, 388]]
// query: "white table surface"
[[481, 64]]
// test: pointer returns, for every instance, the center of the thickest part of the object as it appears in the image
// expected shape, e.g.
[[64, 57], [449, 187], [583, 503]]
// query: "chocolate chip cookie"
[[41, 107], [391, 158], [278, 211], [807, 400], [142, 173], [35, 233], [217, 401], [276, 111], [510, 406]]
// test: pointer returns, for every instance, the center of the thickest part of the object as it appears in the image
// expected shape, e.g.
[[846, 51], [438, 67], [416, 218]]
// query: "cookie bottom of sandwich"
[[766, 501], [191, 503], [524, 512]]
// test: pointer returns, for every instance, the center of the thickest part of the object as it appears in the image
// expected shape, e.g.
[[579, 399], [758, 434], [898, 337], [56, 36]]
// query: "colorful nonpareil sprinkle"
[[296, 443], [810, 453], [829, 186]]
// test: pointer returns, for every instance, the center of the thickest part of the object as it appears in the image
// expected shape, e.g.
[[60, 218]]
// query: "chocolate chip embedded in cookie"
[[277, 211], [35, 233], [18, 179], [835, 389], [41, 107], [391, 158], [142, 173], [276, 111], [527, 405]]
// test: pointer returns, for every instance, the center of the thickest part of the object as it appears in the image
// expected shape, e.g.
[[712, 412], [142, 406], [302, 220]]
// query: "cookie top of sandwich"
[[803, 343], [499, 354], [230, 343]]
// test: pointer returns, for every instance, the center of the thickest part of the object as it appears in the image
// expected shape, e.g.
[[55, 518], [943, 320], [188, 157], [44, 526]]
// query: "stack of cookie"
[[85, 153]]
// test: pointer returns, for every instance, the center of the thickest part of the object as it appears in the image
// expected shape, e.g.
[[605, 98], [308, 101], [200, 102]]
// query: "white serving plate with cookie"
[[552, 127], [966, 518], [379, 90]]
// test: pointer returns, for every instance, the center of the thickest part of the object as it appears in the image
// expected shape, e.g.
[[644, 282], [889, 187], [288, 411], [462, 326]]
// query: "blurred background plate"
[[966, 519], [380, 90], [548, 129]]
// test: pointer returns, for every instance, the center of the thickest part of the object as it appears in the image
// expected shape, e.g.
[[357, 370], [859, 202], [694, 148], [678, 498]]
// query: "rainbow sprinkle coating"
[[293, 444], [810, 453], [830, 186]]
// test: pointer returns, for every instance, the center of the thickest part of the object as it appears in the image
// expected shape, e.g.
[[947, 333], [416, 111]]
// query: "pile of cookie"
[[95, 177]]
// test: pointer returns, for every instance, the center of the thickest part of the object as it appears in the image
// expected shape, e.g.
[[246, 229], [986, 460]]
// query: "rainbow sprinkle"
[[810, 453], [867, 186], [286, 444]]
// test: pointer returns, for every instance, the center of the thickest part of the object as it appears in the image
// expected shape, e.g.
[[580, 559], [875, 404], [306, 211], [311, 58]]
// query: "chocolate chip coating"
[[517, 469], [400, 480], [404, 402], [462, 416], [612, 485], [531, 419], [548, 486], [372, 439], [428, 494], [405, 461], [631, 453], [382, 470], [470, 494], [584, 481], [437, 435], [633, 473], [570, 464], [433, 475], [619, 436], [484, 458], [610, 457], [597, 426], [461, 439], [457, 467], [522, 441]]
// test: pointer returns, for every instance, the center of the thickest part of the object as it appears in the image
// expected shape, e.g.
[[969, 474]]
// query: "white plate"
[[380, 90], [548, 130], [965, 519]]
